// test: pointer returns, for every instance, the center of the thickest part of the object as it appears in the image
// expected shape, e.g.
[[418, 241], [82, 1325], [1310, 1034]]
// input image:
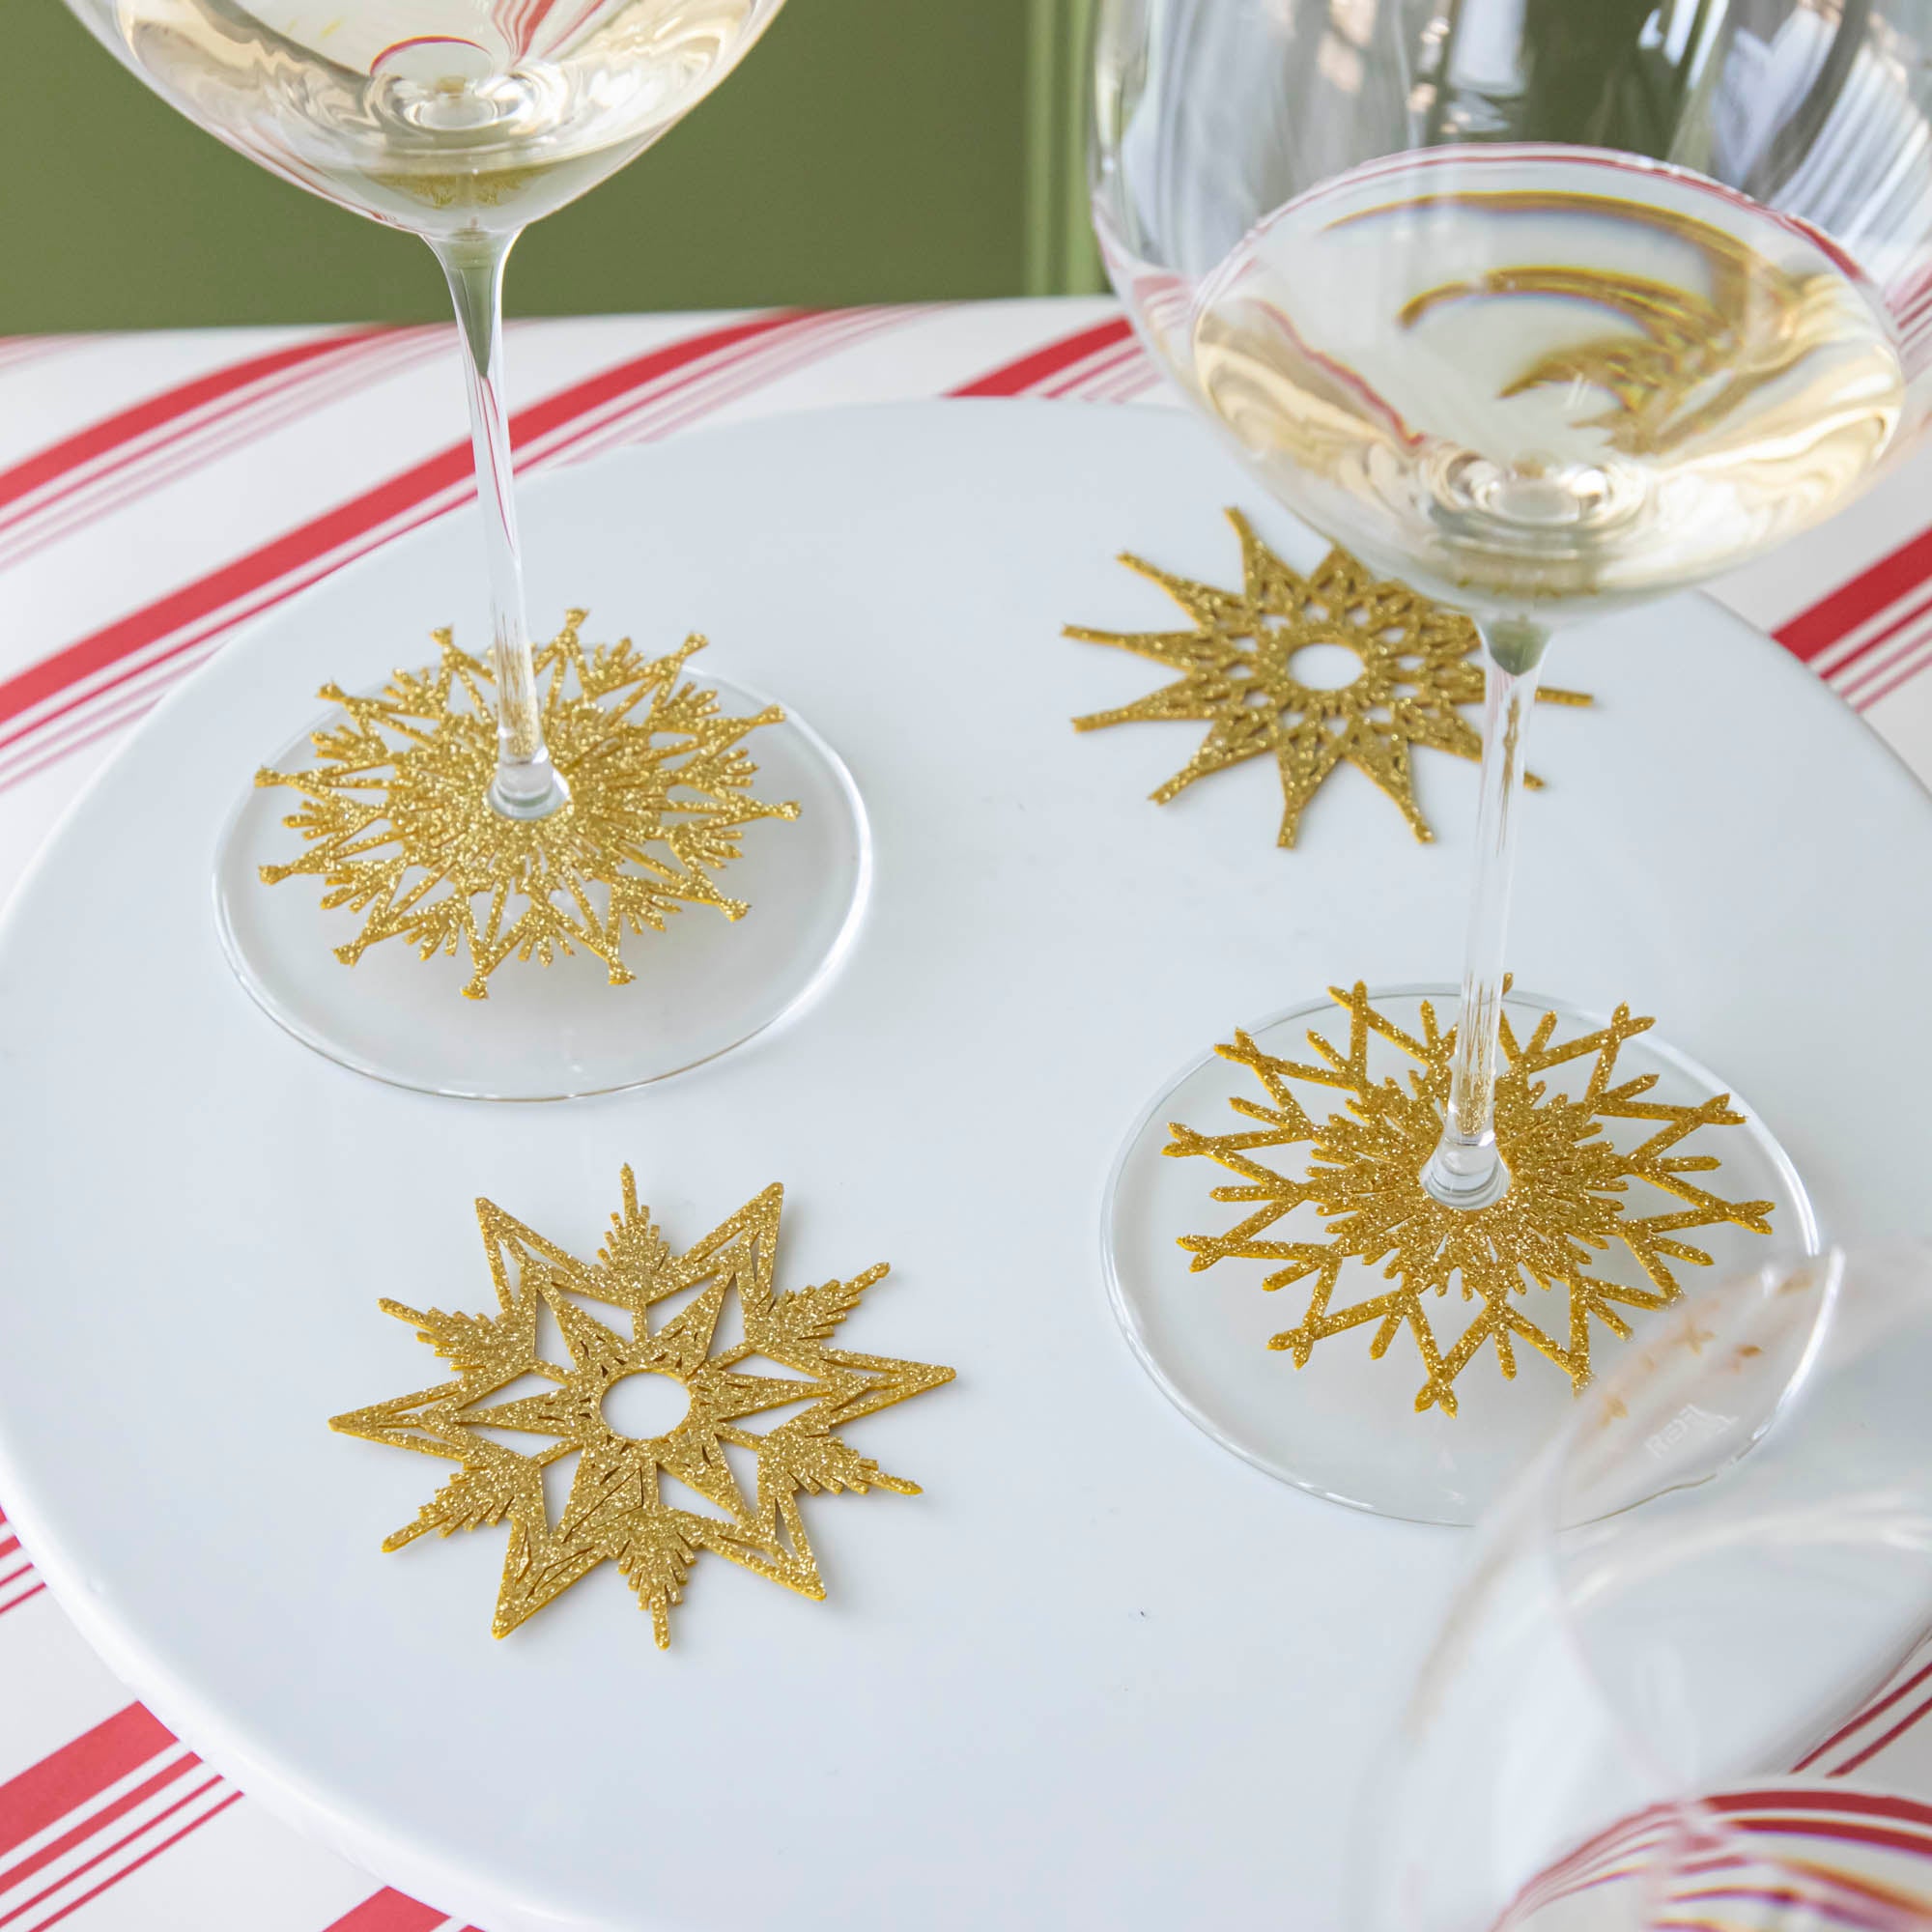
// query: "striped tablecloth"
[[158, 491]]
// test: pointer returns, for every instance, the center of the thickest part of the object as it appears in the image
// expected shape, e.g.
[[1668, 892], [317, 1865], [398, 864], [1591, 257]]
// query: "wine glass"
[[462, 121], [1677, 1715], [1545, 311]]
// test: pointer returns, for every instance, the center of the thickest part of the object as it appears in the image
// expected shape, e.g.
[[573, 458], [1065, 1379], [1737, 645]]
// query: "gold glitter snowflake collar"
[[1565, 1206], [617, 1510], [399, 824], [1418, 662]]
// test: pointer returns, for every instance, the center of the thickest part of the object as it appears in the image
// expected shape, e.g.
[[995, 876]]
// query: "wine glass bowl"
[[441, 117], [1547, 311]]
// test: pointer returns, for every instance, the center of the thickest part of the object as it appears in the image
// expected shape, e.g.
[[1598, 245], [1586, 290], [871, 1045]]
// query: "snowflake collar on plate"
[[1419, 664], [617, 1511]]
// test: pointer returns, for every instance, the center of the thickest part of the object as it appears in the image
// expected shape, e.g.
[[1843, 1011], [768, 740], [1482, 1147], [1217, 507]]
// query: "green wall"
[[867, 151]]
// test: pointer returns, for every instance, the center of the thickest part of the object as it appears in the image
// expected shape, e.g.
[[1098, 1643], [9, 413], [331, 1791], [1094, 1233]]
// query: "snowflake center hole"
[[644, 1404], [1324, 666]]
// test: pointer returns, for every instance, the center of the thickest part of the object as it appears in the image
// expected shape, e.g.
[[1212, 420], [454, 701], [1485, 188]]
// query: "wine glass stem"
[[1466, 1170], [526, 784]]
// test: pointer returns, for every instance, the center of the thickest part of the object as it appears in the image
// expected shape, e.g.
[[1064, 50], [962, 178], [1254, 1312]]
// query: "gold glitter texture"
[[399, 827], [1566, 1204], [1419, 663], [617, 1511]]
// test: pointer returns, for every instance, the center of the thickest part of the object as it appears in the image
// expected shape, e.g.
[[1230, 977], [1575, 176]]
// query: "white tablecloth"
[[158, 491]]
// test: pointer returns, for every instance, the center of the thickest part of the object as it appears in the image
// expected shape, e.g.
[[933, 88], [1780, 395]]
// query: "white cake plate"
[[1102, 1672]]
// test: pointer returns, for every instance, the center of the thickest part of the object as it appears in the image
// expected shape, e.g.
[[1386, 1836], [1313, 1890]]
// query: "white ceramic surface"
[[1102, 1673]]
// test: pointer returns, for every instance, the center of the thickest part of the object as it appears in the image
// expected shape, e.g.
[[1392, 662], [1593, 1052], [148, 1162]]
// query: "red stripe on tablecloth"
[[1845, 1833], [55, 1847], [1090, 370], [1819, 1797], [289, 552], [1865, 1717], [1818, 628], [389, 1912], [146, 463], [1603, 1858], [1881, 648], [1618, 1860], [9, 1544], [657, 418], [249, 572], [1878, 659], [49, 1790], [103, 721], [1147, 377], [1138, 376], [14, 1602], [156, 411], [1010, 378], [1901, 672], [106, 1852], [147, 1856], [1849, 1817], [1579, 1868], [652, 416], [1891, 1737]]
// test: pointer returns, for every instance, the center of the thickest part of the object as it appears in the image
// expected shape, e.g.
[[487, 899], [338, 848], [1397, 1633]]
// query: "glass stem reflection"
[[526, 784], [1466, 1170]]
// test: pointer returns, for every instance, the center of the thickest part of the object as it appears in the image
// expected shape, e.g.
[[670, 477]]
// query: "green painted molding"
[[1061, 255]]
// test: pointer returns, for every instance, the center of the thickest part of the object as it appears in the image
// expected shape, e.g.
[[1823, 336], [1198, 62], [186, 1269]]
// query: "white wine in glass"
[[462, 120], [1550, 381]]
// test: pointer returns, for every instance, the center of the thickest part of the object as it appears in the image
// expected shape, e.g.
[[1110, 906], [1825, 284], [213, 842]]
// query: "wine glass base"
[[702, 985], [1346, 1426]]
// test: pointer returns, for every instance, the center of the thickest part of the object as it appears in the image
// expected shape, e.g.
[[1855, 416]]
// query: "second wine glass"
[[1547, 316]]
